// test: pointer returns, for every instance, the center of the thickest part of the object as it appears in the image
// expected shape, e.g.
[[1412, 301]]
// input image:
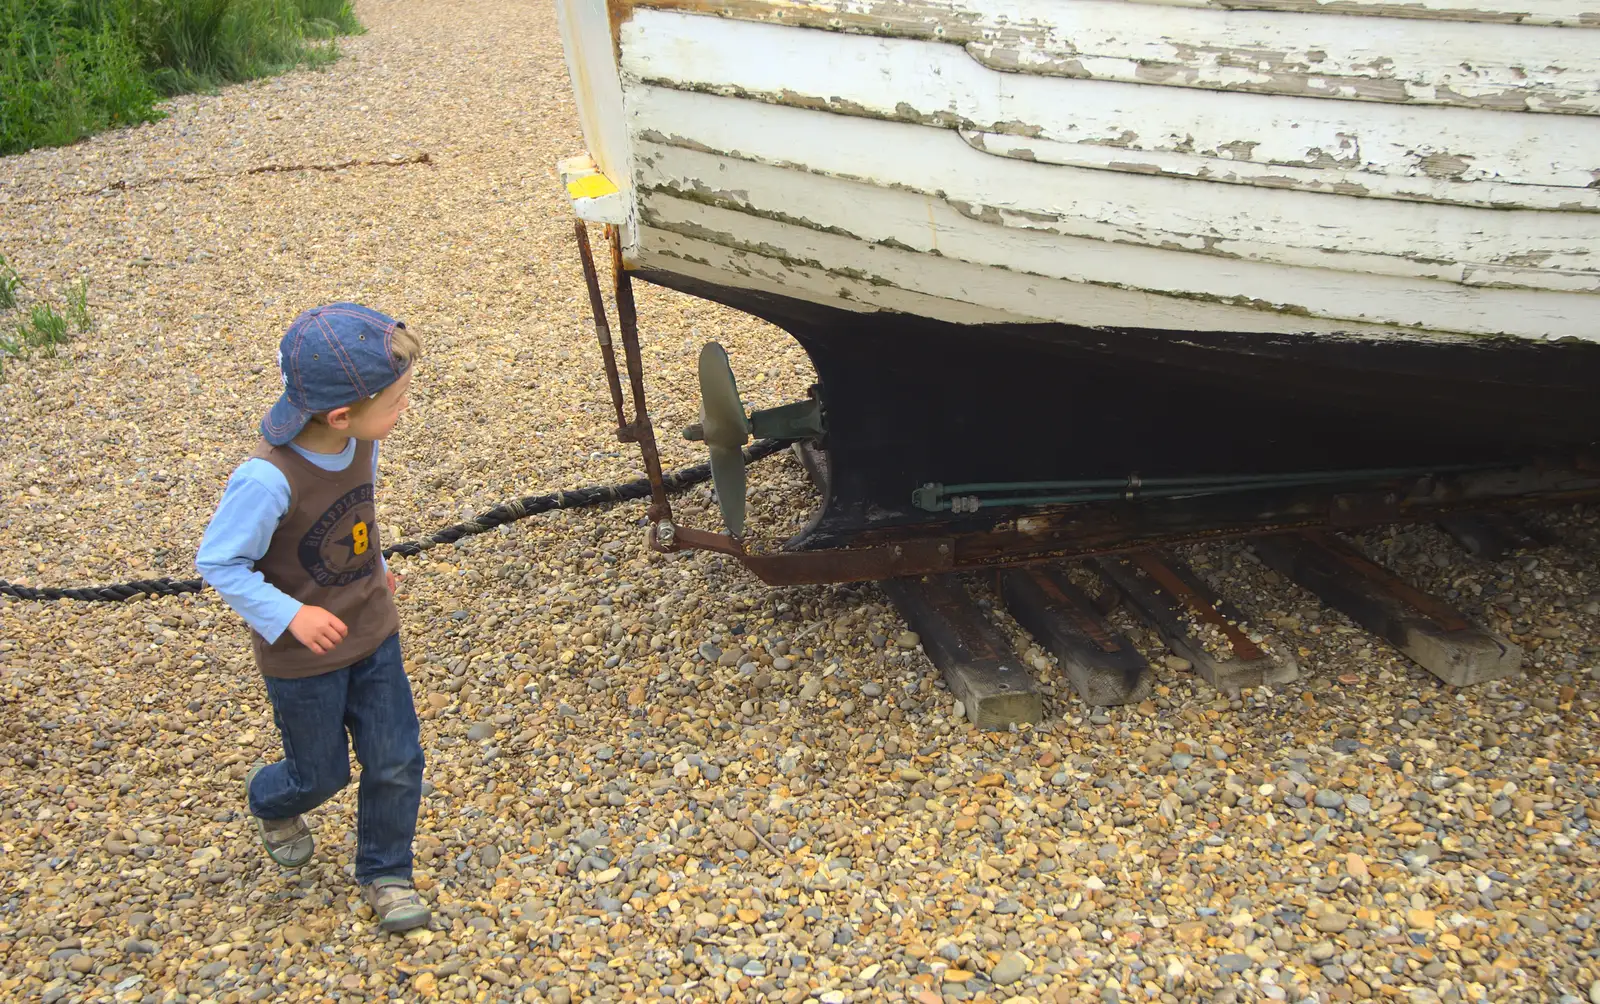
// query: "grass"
[[10, 282], [43, 328], [78, 305], [70, 68]]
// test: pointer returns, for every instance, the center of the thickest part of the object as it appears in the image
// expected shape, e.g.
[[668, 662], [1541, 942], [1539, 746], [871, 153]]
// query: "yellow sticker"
[[591, 186], [358, 534]]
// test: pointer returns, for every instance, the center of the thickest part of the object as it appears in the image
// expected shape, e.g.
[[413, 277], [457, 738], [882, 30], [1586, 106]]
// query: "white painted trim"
[[596, 84]]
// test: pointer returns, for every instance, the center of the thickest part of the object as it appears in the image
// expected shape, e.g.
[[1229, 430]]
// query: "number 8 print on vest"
[[337, 550]]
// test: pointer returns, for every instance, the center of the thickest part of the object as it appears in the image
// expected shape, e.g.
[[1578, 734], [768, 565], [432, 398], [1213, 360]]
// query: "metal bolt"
[[666, 533]]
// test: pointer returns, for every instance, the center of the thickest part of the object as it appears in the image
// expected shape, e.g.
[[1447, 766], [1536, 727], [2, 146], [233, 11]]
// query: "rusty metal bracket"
[[602, 328], [926, 556], [639, 429], [1198, 603]]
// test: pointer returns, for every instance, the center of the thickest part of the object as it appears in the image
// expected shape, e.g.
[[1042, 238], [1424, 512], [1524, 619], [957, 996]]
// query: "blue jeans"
[[372, 700]]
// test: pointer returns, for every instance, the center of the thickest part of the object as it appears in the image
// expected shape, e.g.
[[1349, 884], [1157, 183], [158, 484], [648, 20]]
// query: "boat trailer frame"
[[1059, 531]]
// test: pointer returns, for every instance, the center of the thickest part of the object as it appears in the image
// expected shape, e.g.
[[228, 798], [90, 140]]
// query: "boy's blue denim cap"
[[331, 357]]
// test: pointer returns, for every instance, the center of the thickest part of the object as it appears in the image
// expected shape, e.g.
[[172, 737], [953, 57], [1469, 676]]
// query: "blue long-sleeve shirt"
[[255, 501]]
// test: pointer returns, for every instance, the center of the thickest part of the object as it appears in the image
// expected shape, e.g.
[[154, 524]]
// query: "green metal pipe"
[[1168, 487], [978, 487]]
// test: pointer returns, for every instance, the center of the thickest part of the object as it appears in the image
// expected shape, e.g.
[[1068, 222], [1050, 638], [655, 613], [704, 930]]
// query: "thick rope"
[[506, 512]]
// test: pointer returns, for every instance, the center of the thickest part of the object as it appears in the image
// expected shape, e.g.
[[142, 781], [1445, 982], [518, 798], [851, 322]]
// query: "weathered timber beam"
[[1103, 665], [1166, 594], [1433, 634], [981, 668]]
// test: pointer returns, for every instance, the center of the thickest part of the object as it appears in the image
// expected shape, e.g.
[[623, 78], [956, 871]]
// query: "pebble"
[[1328, 799], [1332, 923], [1009, 970]]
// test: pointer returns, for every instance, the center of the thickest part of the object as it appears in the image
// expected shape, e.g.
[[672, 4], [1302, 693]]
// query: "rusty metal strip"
[[797, 568], [602, 329], [1387, 581], [1153, 566], [1072, 609], [640, 428]]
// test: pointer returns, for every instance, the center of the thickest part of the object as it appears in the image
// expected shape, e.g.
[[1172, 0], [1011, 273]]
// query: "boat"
[[1074, 273]]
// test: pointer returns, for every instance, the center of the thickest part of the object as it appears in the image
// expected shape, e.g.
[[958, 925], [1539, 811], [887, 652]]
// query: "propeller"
[[725, 430]]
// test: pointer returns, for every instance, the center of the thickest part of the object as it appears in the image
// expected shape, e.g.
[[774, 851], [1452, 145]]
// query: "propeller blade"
[[727, 474], [722, 417]]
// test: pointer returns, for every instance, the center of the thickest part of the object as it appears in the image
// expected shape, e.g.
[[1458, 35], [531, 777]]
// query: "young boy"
[[294, 549]]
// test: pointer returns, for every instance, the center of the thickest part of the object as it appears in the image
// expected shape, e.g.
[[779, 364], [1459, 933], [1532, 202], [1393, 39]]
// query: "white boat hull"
[[1031, 240], [1376, 173]]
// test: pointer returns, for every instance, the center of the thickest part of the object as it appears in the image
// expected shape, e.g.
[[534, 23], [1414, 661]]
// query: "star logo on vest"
[[338, 549]]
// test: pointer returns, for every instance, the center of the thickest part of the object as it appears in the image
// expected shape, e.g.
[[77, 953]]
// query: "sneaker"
[[397, 904], [288, 841]]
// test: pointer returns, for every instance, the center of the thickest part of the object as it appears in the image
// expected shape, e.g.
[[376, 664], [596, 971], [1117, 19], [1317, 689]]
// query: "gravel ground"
[[653, 778]]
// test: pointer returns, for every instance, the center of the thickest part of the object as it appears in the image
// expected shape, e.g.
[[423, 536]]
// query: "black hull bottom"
[[910, 400]]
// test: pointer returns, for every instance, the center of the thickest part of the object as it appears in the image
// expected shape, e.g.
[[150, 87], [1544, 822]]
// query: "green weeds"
[[10, 282], [40, 327], [78, 304]]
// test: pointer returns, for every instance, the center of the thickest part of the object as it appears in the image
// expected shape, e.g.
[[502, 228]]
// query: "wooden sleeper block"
[[979, 664], [1434, 635]]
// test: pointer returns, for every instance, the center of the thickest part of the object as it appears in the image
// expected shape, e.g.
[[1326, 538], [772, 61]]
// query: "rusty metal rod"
[[1198, 605], [643, 434], [1387, 580], [602, 329]]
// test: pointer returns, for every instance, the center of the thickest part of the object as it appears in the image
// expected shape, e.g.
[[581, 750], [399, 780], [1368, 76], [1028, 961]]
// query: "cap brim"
[[283, 422]]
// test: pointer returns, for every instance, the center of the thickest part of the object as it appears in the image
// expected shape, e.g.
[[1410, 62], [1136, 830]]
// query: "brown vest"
[[325, 553]]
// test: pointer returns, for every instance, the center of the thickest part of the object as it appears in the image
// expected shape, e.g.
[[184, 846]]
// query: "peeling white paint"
[[1425, 62], [986, 258], [907, 17], [915, 81], [1321, 180], [1283, 227], [939, 288], [1427, 172]]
